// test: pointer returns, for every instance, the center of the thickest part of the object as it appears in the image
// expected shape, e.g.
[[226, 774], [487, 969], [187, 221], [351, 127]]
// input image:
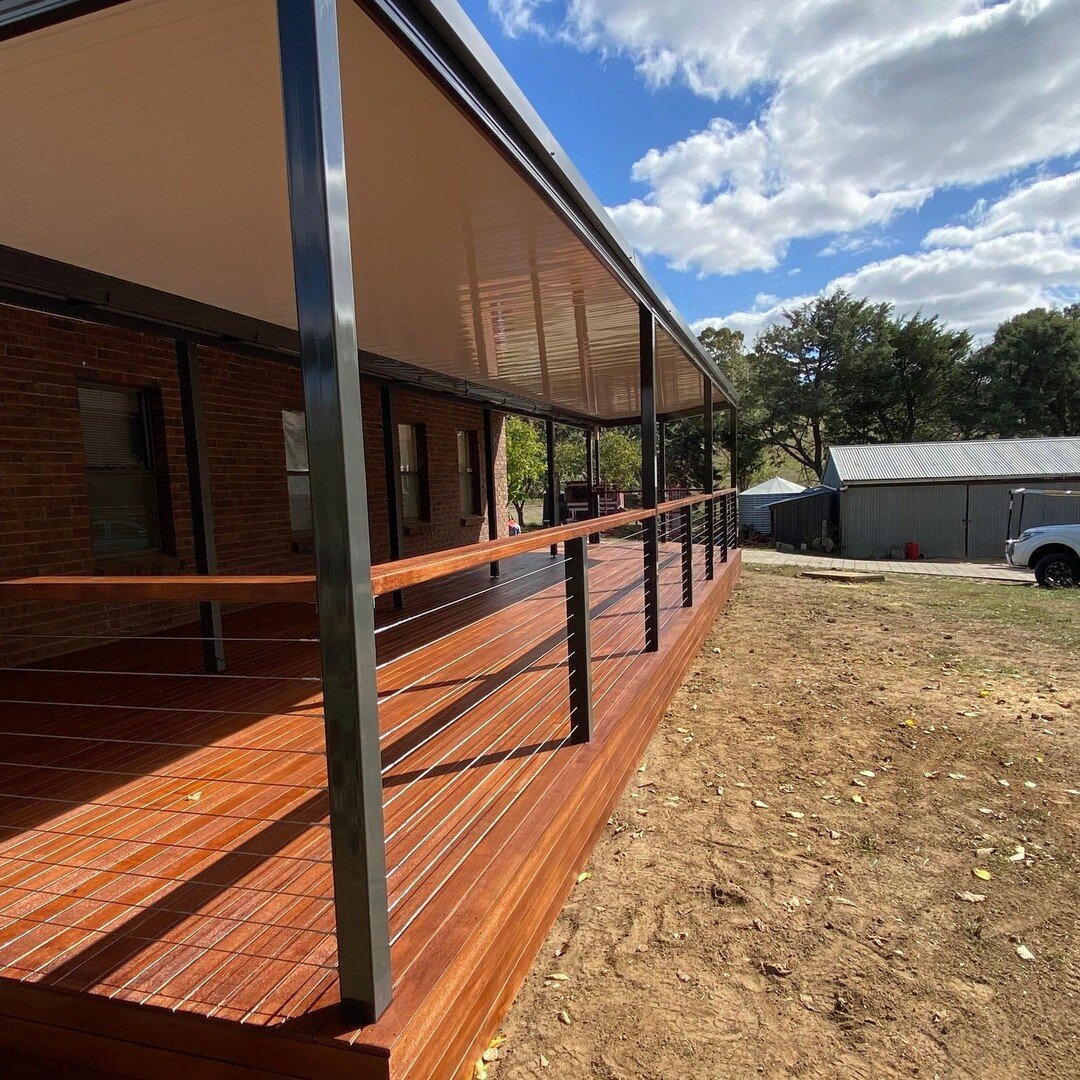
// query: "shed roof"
[[776, 486], [983, 459]]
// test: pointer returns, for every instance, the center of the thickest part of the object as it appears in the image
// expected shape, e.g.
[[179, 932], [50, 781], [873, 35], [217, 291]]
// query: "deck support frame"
[[322, 261]]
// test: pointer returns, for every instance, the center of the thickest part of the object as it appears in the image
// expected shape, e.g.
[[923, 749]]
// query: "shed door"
[[988, 520]]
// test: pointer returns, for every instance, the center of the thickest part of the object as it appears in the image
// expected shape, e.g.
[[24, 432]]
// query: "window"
[[296, 469], [468, 457], [121, 478], [412, 462]]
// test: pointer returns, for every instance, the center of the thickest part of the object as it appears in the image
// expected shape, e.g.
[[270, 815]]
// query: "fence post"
[[688, 556], [647, 350], [708, 422], [578, 640]]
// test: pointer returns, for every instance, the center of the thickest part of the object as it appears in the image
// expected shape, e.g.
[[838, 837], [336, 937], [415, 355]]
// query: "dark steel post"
[[709, 424], [578, 640], [735, 474], [489, 483], [688, 556], [329, 359], [593, 461], [661, 469], [202, 510], [552, 479], [725, 510], [647, 350], [392, 464]]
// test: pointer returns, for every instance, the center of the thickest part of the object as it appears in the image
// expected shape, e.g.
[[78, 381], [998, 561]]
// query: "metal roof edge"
[[461, 35]]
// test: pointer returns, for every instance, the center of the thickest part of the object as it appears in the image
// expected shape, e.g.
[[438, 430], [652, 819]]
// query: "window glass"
[[120, 477], [294, 425], [412, 468]]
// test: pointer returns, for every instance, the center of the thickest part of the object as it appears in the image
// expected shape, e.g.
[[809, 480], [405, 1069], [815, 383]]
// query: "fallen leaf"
[[557, 976], [857, 798], [760, 805], [584, 877], [480, 1070], [845, 901], [957, 776], [867, 772], [982, 875], [858, 783], [682, 976], [564, 1016], [970, 897], [1019, 855], [1024, 952], [544, 1063], [798, 815], [195, 796]]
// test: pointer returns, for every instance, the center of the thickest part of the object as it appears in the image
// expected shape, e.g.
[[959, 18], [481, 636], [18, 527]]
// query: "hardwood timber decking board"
[[170, 849]]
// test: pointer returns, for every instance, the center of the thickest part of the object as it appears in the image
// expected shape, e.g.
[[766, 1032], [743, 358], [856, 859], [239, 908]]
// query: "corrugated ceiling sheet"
[[145, 142]]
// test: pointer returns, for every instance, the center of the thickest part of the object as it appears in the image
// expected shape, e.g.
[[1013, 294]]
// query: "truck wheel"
[[1058, 570]]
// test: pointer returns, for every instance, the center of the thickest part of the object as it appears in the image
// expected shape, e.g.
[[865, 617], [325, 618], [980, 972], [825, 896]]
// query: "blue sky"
[[927, 154]]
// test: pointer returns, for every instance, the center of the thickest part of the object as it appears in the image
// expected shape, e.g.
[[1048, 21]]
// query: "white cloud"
[[1022, 251], [870, 108]]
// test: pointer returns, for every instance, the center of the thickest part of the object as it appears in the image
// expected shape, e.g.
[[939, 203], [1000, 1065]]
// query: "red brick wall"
[[44, 514]]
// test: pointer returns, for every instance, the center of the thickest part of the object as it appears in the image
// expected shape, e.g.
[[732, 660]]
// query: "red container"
[[911, 549]]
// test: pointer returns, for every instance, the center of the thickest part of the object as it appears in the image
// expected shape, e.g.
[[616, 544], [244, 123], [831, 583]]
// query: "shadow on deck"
[[165, 886]]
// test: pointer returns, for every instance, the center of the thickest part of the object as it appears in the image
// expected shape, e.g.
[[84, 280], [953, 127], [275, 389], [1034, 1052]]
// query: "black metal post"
[[593, 461], [578, 640], [202, 510], [329, 360], [661, 469], [735, 474], [552, 479], [688, 556], [489, 483], [392, 464], [708, 423], [647, 350], [725, 526]]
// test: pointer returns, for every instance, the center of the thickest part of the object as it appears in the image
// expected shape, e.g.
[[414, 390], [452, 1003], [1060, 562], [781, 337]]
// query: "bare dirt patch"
[[779, 892]]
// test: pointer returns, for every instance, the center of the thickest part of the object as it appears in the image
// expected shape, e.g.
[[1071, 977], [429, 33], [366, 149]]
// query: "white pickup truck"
[[1052, 551]]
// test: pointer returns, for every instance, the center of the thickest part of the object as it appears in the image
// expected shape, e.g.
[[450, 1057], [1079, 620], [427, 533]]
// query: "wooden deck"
[[165, 887]]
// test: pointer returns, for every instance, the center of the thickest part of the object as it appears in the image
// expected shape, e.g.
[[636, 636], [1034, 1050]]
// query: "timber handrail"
[[300, 588]]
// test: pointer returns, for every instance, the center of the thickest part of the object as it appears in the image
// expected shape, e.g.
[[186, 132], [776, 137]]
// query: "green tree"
[[1026, 382], [903, 389], [620, 460], [800, 371], [526, 464], [569, 454], [727, 348]]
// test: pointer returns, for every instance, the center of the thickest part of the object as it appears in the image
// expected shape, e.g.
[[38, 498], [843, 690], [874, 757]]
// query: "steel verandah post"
[[392, 466], [322, 259], [552, 479], [647, 351], [489, 483], [578, 639], [202, 509]]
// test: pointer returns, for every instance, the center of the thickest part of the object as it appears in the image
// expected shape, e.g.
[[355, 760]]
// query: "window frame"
[[148, 401], [419, 435], [475, 508]]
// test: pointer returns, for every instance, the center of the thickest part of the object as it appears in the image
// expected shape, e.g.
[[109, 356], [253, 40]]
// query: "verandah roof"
[[145, 142]]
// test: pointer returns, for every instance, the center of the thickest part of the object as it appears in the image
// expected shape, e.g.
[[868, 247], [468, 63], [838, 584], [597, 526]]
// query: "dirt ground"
[[789, 888]]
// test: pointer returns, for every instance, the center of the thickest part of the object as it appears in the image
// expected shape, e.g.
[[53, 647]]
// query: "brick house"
[[300, 753], [47, 515]]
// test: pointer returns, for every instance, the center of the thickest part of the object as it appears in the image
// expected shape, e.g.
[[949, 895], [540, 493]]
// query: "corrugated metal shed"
[[754, 502], [984, 459]]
